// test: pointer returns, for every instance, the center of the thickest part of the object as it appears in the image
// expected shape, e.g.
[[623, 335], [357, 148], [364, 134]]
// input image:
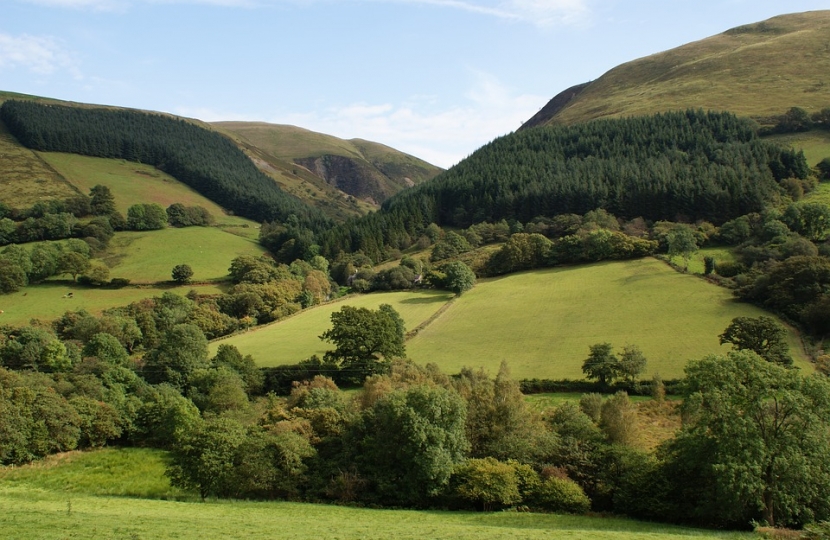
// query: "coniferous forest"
[[686, 165]]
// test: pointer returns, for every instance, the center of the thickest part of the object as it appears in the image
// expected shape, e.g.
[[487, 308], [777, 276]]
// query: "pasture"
[[115, 493], [815, 144], [542, 322], [296, 338], [149, 256], [25, 178], [48, 301], [133, 183]]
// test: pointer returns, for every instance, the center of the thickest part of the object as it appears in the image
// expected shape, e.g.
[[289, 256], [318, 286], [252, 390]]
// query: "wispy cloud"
[[40, 55], [442, 136], [96, 5], [537, 12]]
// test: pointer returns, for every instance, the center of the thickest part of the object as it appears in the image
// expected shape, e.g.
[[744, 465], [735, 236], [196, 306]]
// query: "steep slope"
[[366, 170], [757, 70]]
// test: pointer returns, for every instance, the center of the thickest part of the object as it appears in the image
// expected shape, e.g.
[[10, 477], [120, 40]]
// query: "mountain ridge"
[[757, 70]]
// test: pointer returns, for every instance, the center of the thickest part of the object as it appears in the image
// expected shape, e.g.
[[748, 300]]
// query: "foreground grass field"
[[542, 322], [105, 495]]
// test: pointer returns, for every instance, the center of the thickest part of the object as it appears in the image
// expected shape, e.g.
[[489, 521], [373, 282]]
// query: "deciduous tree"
[[761, 335], [755, 443]]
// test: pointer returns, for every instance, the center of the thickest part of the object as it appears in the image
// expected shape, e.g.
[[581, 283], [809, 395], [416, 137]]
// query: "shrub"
[[729, 269], [591, 405], [561, 495]]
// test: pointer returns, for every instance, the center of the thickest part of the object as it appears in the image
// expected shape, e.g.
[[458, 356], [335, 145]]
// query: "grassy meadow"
[[25, 178], [113, 494], [49, 300], [132, 183], [149, 256], [541, 322], [296, 338], [815, 144]]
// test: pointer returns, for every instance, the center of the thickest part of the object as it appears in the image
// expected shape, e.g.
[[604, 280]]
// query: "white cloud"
[[40, 55], [538, 12], [549, 12], [418, 127]]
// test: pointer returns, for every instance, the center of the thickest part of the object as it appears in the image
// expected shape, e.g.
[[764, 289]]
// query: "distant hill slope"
[[757, 70], [366, 170], [343, 179]]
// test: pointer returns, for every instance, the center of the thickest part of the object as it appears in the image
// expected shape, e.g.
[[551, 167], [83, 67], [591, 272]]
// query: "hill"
[[340, 178], [757, 70], [368, 171], [686, 166]]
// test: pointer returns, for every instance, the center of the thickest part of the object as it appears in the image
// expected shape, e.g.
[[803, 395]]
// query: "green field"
[[48, 301], [25, 178], [815, 144], [296, 338], [114, 494], [149, 256], [543, 322]]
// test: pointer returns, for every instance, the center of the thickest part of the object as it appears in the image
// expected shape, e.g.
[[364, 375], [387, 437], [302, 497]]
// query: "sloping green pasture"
[[49, 300], [99, 496], [814, 143], [296, 338], [24, 177], [129, 182], [133, 183], [149, 256], [543, 322]]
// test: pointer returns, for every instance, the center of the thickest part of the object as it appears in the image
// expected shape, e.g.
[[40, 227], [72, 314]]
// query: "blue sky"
[[434, 78]]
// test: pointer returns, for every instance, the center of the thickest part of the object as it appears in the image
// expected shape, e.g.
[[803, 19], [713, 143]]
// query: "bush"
[[561, 495], [487, 483], [729, 269], [591, 405]]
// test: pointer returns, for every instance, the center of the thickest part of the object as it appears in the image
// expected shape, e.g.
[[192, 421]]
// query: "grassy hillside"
[[296, 338], [757, 70], [368, 171], [815, 144], [49, 300], [543, 322], [149, 256], [25, 178], [104, 495], [133, 182]]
